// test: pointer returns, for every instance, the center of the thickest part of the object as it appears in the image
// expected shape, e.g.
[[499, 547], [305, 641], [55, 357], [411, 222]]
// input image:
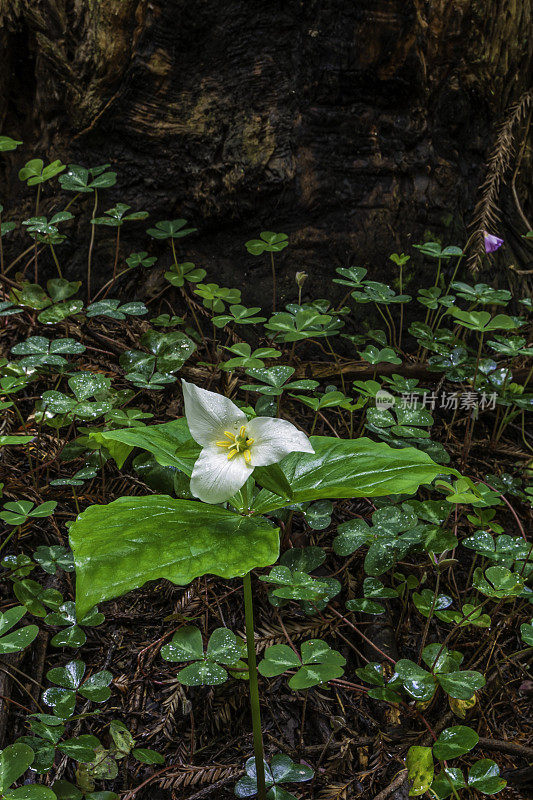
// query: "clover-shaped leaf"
[[214, 296], [302, 322], [275, 380], [115, 309], [482, 293], [416, 681], [268, 242], [73, 635], [498, 582], [352, 276], [243, 356], [141, 259], [482, 321], [40, 350], [116, 216], [170, 229], [84, 180], [318, 663], [68, 680], [35, 597], [434, 250], [35, 172], [295, 585], [239, 315], [373, 355], [351, 536], [16, 513], [17, 640], [50, 558], [303, 559], [282, 769], [187, 271], [7, 143], [205, 670]]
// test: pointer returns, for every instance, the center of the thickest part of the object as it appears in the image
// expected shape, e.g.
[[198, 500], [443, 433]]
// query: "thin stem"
[[105, 288], [116, 253], [254, 688], [333, 353], [387, 309], [91, 245], [6, 540], [1, 248], [524, 432], [36, 268], [401, 309], [68, 205], [56, 261], [273, 281], [25, 429], [386, 323], [19, 258], [362, 635], [471, 421], [430, 615]]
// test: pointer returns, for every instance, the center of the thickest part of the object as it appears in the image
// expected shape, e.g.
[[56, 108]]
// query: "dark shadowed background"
[[354, 126]]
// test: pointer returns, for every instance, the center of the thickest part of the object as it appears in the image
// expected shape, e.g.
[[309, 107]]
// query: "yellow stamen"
[[237, 445]]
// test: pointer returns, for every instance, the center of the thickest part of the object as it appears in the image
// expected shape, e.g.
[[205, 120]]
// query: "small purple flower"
[[492, 243]]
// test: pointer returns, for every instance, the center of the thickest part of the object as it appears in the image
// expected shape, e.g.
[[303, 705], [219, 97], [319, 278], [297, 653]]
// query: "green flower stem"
[[254, 687], [91, 245], [401, 309]]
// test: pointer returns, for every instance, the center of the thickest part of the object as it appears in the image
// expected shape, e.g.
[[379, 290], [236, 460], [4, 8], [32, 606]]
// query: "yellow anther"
[[237, 444]]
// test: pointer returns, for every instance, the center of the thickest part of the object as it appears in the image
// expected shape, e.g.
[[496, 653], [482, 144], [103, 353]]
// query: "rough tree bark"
[[353, 126]]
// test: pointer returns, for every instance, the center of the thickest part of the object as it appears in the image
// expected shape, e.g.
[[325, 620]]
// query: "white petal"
[[209, 414], [274, 439], [214, 478]]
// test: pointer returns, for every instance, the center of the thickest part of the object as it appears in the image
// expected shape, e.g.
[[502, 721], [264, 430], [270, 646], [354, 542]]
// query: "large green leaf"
[[171, 444], [120, 546], [352, 468]]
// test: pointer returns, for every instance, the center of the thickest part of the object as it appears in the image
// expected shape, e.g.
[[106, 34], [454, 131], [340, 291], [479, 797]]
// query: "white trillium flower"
[[231, 445]]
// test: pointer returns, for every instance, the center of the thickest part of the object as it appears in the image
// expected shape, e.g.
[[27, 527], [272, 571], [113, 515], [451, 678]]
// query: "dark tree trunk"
[[352, 125]]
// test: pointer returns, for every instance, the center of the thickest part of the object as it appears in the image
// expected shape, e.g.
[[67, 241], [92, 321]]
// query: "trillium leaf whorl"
[[231, 445]]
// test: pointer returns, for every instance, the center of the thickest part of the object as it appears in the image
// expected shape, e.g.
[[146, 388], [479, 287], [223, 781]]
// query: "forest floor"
[[356, 745]]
